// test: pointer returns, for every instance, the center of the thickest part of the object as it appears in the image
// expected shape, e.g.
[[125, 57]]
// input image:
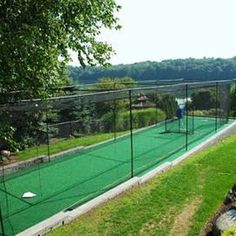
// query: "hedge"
[[141, 118]]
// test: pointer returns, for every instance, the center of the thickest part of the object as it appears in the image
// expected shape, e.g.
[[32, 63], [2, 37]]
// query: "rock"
[[231, 196], [225, 221], [5, 154]]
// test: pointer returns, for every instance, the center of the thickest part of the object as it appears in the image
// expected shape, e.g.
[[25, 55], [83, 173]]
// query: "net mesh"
[[76, 147], [223, 103]]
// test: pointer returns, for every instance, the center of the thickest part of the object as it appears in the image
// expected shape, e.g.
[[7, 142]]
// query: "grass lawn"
[[65, 144], [178, 202]]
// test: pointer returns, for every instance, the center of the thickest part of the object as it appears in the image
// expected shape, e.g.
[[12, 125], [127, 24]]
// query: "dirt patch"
[[183, 220], [158, 223]]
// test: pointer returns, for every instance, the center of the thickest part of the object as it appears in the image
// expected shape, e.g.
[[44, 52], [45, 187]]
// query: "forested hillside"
[[193, 69]]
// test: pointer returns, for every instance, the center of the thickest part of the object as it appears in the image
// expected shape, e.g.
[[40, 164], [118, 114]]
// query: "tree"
[[35, 37], [113, 84], [190, 69], [168, 104], [203, 99], [34, 40]]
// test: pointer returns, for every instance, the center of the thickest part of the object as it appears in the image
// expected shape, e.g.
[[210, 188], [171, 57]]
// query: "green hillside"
[[192, 69]]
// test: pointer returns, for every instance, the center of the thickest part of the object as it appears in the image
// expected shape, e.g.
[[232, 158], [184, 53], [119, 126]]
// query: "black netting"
[[223, 103], [70, 149]]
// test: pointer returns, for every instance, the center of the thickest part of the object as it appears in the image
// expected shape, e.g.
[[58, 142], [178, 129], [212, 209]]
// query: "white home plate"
[[28, 195]]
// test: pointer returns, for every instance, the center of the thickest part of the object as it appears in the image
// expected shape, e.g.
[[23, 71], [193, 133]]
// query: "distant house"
[[142, 102]]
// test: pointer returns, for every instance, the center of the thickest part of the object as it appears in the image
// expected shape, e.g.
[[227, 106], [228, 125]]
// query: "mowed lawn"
[[179, 202]]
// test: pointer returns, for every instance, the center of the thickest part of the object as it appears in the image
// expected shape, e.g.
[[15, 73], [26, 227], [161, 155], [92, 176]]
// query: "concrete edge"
[[66, 152], [21, 165], [209, 142], [155, 172], [110, 194], [66, 217], [46, 226]]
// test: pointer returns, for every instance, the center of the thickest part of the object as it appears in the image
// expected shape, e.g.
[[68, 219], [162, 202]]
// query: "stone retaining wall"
[[21, 165]]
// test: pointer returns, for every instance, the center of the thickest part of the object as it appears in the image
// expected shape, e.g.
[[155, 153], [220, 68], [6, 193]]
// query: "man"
[[180, 116]]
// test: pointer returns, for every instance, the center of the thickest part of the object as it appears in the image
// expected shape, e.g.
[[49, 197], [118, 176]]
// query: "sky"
[[155, 30]]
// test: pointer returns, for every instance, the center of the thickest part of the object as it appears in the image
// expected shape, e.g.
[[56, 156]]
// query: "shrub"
[[203, 99], [210, 112], [230, 232], [199, 113], [7, 138], [141, 118]]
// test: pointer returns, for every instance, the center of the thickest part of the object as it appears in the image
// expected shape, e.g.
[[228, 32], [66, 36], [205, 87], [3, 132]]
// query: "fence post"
[[48, 140], [156, 92], [193, 117], [131, 133], [114, 119], [165, 125], [228, 103], [186, 115], [216, 106], [1, 222], [114, 110]]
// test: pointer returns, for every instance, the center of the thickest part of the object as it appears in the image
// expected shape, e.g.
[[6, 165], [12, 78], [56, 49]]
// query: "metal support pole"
[[131, 134], [166, 130], [114, 119], [1, 222], [7, 199], [48, 140], [228, 103], [156, 105], [179, 125], [193, 117], [216, 106], [186, 115], [114, 112]]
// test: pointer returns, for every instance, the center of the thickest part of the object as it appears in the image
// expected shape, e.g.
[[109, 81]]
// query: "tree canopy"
[[190, 68], [35, 37]]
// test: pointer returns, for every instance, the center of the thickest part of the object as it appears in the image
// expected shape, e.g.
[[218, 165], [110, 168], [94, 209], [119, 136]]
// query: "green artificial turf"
[[79, 177], [152, 209], [65, 144]]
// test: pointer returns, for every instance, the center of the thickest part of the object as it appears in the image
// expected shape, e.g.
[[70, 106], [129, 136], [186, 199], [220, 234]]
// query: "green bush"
[[203, 99], [147, 117], [7, 138], [141, 118], [210, 112], [230, 232], [199, 113], [168, 104]]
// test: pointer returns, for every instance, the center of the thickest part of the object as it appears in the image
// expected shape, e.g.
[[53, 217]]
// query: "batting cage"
[[60, 152]]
